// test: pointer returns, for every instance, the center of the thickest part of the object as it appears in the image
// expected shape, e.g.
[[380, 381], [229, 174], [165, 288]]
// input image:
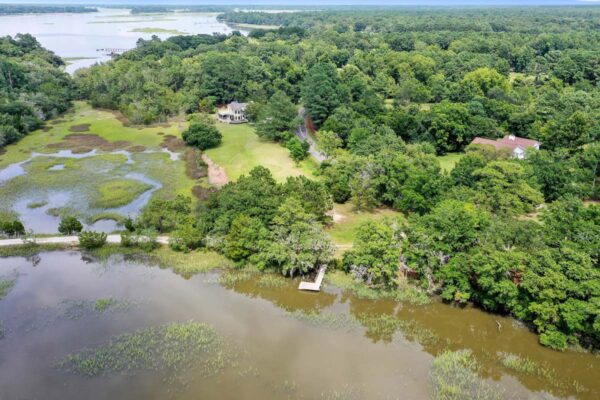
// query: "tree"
[[278, 118], [375, 254], [299, 243], [320, 92], [329, 142], [298, 149], [486, 79], [202, 135], [502, 188], [69, 225]]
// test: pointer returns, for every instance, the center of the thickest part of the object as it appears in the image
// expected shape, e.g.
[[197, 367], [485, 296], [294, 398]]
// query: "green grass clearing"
[[243, 150], [448, 161], [347, 220]]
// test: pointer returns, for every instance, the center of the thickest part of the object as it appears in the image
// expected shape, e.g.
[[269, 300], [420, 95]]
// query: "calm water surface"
[[80, 36], [280, 355]]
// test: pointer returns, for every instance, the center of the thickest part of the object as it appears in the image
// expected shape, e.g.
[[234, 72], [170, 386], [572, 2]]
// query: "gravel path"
[[69, 240]]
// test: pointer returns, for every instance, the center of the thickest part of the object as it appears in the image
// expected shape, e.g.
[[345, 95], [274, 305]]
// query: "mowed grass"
[[344, 230], [119, 192], [104, 124], [448, 161], [243, 150]]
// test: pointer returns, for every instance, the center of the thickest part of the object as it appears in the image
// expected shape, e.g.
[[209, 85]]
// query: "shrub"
[[144, 239], [298, 149], [202, 135], [69, 225], [92, 240], [186, 237]]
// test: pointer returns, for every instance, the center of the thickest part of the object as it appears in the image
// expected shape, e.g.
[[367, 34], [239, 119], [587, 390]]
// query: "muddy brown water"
[[279, 354]]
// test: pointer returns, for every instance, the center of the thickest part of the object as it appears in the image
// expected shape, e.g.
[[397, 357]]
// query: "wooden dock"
[[316, 285]]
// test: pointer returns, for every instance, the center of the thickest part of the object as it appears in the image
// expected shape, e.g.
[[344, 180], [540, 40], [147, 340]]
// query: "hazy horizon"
[[482, 3]]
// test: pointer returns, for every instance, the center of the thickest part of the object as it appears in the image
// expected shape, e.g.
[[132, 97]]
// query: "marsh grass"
[[383, 327], [2, 331], [454, 376], [184, 264], [119, 192], [76, 309], [119, 218], [233, 277], [172, 348], [325, 320], [29, 250], [272, 281], [406, 292], [527, 366], [37, 204], [7, 283]]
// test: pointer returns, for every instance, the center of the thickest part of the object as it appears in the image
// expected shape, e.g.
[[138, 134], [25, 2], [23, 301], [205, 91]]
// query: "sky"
[[314, 2]]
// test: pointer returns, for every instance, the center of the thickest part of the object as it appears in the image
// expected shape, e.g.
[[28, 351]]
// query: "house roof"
[[507, 142], [521, 142], [234, 105]]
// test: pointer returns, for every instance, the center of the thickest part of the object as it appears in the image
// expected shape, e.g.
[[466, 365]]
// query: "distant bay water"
[[79, 38]]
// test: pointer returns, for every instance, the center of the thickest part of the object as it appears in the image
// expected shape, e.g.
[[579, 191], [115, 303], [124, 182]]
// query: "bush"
[[554, 339], [298, 149], [202, 135], [144, 239], [186, 237], [92, 240], [69, 225]]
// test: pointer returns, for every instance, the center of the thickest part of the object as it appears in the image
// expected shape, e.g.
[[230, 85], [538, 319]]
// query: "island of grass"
[[158, 30], [117, 193]]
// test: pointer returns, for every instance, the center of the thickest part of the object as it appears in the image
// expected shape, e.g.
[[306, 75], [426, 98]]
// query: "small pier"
[[112, 51], [316, 285]]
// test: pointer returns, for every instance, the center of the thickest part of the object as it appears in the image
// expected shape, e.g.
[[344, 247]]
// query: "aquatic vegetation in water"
[[76, 309], [525, 366], [384, 326], [346, 393], [169, 348], [2, 333], [327, 320], [231, 278], [6, 284], [37, 204], [406, 292], [30, 249], [272, 281], [454, 377]]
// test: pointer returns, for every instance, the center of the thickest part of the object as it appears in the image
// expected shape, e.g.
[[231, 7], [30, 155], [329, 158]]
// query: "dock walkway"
[[316, 285]]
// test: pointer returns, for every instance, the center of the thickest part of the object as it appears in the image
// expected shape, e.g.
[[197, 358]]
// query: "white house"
[[234, 114], [518, 146]]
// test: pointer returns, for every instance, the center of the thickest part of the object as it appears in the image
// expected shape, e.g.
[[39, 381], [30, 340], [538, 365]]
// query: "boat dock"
[[316, 285]]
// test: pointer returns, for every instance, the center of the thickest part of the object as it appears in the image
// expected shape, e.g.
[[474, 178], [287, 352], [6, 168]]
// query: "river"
[[79, 37], [285, 343]]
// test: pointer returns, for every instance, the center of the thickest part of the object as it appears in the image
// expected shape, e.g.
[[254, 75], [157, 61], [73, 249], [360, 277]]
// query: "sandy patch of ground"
[[216, 174]]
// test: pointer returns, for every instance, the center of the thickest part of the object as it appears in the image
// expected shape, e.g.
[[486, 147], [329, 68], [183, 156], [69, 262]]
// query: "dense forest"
[[33, 87], [387, 92]]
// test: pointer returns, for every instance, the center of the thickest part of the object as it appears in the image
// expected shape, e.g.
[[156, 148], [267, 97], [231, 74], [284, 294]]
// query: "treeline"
[[387, 94], [8, 9], [33, 87]]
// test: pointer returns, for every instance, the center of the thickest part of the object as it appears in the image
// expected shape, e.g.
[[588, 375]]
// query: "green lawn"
[[343, 231], [243, 150], [448, 161]]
